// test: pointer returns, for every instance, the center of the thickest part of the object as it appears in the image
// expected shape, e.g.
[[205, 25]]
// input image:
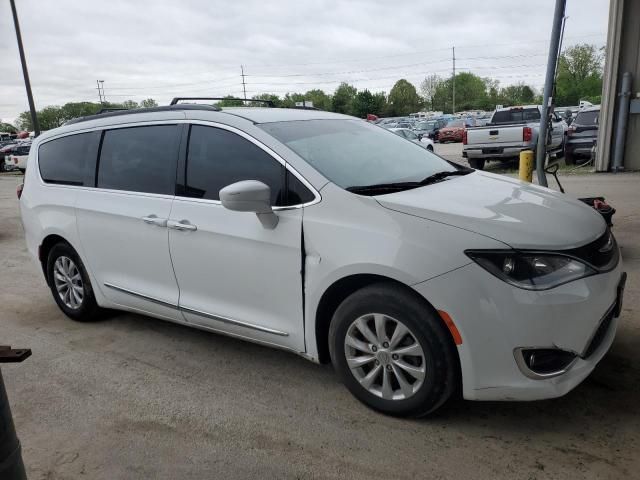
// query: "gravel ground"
[[135, 397]]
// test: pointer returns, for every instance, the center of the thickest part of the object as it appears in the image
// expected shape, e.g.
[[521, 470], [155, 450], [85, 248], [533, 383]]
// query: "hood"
[[519, 214]]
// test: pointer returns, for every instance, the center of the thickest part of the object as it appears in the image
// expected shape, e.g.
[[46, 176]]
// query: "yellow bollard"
[[525, 173]]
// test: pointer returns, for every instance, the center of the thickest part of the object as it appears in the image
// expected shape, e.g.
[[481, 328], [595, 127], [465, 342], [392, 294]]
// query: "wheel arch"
[[45, 247], [339, 290]]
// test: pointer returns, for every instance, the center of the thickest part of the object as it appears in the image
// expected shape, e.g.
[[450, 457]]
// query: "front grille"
[[601, 332], [598, 253]]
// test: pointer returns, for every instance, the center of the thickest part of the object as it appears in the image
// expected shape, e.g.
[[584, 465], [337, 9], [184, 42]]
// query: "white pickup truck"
[[510, 131]]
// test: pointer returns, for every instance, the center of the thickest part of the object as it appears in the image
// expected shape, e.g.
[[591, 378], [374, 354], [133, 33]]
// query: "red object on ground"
[[371, 117]]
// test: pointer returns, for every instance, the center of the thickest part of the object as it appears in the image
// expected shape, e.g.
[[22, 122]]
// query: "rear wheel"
[[392, 351], [477, 163], [430, 148], [70, 284]]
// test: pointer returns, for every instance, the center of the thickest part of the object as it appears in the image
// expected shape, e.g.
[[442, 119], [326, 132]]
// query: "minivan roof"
[[253, 114]]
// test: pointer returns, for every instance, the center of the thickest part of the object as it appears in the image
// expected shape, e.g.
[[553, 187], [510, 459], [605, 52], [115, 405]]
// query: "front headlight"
[[531, 270]]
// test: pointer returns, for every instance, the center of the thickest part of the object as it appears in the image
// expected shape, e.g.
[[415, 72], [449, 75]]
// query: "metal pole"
[[244, 89], [99, 92], [454, 81], [11, 464], [621, 124], [104, 97], [547, 101], [25, 72]]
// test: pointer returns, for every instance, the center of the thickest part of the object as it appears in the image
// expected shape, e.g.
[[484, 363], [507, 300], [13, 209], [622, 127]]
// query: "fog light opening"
[[544, 362]]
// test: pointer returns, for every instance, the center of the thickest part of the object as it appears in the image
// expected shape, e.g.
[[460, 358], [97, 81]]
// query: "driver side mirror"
[[250, 196]]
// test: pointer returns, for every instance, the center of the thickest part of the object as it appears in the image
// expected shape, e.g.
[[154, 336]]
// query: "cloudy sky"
[[160, 49]]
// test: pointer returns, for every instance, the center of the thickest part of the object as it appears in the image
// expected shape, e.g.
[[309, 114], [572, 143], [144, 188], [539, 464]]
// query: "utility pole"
[[104, 97], [244, 88], [25, 72], [454, 80], [99, 92], [547, 102]]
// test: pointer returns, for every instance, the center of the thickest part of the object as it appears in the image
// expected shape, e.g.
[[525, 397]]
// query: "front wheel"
[[392, 351], [430, 148]]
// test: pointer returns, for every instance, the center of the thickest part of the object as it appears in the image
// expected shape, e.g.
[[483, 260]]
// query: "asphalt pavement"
[[135, 397]]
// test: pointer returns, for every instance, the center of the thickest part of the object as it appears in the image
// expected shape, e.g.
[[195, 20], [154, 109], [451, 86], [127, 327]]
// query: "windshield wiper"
[[382, 188], [439, 176]]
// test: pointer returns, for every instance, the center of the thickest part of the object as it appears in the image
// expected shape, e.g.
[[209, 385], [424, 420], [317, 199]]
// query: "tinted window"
[[297, 193], [587, 118], [66, 160], [519, 115], [140, 159], [218, 158]]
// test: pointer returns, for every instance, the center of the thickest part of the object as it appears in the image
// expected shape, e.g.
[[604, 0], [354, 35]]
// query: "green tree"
[[230, 101], [343, 97], [379, 104], [270, 97], [129, 104], [518, 94], [320, 99], [403, 99], [579, 75], [363, 103], [148, 103]]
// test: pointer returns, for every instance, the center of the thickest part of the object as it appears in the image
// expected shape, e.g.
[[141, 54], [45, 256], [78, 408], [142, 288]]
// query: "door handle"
[[155, 220], [182, 225]]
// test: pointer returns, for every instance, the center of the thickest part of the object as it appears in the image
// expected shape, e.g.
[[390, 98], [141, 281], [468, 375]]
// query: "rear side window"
[[139, 159], [520, 115], [217, 158], [67, 160], [587, 118]]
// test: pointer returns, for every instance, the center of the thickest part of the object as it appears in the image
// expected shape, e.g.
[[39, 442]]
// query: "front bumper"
[[495, 319]]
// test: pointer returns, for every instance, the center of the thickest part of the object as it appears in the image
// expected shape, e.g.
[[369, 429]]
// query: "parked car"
[[18, 158], [422, 140], [582, 134], [511, 130], [453, 131], [329, 237], [5, 153], [430, 128]]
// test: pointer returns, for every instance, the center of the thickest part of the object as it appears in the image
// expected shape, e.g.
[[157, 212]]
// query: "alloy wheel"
[[385, 356], [68, 282]]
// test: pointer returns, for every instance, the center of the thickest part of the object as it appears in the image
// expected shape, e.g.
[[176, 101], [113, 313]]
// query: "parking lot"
[[135, 397]]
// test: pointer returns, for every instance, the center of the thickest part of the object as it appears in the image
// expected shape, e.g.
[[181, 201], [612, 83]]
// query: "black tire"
[[430, 148], [477, 163], [569, 157], [88, 309], [440, 355], [22, 170]]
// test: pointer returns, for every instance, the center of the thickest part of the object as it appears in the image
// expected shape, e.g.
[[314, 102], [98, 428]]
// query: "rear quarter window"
[[69, 160]]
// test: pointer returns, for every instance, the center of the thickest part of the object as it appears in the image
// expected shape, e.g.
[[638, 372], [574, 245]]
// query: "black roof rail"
[[164, 108], [110, 109], [255, 100]]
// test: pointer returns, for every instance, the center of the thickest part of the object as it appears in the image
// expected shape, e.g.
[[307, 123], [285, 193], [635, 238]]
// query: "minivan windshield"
[[354, 153]]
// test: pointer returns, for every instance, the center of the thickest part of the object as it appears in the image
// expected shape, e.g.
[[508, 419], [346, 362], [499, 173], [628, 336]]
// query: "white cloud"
[[162, 49]]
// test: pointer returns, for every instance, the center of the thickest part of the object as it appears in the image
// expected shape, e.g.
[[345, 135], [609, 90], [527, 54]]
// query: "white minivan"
[[329, 237]]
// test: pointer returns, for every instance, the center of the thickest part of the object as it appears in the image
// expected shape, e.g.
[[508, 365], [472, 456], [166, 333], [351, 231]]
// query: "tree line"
[[579, 77]]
